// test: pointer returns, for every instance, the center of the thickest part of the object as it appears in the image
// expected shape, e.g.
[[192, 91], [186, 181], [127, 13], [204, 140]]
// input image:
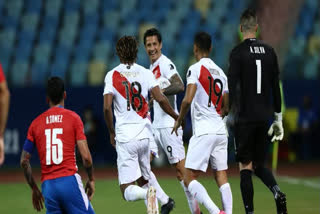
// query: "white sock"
[[146, 187], [201, 195], [193, 203], [134, 193], [226, 196], [161, 195]]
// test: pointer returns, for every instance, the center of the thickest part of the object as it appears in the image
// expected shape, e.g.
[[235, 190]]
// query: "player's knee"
[[189, 176]]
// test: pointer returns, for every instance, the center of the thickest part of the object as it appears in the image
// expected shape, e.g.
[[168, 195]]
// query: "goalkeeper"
[[254, 71]]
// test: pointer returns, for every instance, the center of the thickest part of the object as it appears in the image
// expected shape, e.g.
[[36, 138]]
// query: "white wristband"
[[278, 116]]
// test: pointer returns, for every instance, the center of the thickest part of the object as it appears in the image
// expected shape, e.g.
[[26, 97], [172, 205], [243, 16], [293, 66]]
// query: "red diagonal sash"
[[117, 80], [156, 72], [204, 81]]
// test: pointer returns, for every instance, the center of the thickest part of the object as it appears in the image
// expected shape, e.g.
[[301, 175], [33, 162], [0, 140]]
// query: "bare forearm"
[[184, 109], [89, 171], [176, 86], [108, 116], [173, 89], [4, 103], [165, 105], [27, 171]]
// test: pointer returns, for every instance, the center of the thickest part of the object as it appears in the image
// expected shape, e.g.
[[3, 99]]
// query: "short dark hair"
[[248, 20], [127, 49], [152, 32], [55, 89], [203, 41]]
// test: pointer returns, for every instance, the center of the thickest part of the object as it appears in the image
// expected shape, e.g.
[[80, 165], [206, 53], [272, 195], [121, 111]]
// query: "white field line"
[[299, 181]]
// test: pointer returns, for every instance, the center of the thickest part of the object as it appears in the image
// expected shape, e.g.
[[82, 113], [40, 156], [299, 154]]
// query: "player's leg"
[[219, 163], [175, 151], [128, 167], [161, 195], [197, 160], [264, 173], [244, 148], [144, 165], [50, 197]]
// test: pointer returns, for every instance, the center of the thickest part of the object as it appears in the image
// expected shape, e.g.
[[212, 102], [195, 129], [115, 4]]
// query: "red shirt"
[[2, 77], [55, 133]]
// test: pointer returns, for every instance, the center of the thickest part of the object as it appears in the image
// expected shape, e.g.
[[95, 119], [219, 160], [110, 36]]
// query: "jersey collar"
[[157, 61]]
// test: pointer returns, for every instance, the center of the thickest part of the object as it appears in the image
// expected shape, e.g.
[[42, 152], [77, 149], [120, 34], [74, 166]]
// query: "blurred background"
[[75, 39]]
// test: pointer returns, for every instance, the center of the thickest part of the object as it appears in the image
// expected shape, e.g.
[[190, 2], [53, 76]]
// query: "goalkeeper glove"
[[276, 128]]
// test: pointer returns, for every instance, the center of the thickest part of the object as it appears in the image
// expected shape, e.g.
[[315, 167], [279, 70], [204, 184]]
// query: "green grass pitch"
[[16, 197]]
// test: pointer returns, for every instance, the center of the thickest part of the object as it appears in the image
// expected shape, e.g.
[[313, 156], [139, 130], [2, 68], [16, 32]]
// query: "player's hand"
[[112, 139], [276, 129], [37, 199], [90, 189], [1, 150], [176, 126]]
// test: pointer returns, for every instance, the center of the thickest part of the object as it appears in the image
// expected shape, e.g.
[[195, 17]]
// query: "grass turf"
[[16, 197]]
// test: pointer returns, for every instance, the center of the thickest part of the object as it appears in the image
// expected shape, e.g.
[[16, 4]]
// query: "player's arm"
[[4, 108], [225, 105], [276, 128], [276, 92], [163, 102], [87, 164], [176, 85], [37, 198], [108, 116], [233, 76], [185, 105]]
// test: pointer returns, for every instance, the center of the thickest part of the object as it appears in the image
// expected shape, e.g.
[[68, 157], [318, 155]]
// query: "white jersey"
[[130, 86], [163, 68], [211, 84]]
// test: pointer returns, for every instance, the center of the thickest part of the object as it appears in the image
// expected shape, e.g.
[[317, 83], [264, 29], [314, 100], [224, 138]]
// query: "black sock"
[[267, 178], [246, 187]]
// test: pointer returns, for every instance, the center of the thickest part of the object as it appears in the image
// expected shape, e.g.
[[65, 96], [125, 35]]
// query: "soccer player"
[[4, 108], [254, 70], [55, 134], [127, 87], [166, 74], [207, 93]]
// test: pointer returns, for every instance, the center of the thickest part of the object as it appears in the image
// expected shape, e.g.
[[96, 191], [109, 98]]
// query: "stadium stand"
[[42, 37]]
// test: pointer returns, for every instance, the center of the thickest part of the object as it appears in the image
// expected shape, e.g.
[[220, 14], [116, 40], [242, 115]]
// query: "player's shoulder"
[[239, 48], [140, 68], [166, 63], [262, 43], [109, 74]]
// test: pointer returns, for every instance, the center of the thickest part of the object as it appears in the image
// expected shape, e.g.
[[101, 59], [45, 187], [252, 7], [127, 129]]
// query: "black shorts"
[[251, 142]]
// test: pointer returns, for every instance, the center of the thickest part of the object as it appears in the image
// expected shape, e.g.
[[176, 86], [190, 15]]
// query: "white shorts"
[[133, 160], [207, 148], [154, 147], [171, 144]]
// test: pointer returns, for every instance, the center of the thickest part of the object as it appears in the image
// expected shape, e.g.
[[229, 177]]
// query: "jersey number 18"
[[131, 94]]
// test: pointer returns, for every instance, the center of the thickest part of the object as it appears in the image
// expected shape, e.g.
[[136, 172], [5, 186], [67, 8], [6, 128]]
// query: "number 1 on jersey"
[[53, 146], [258, 63]]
